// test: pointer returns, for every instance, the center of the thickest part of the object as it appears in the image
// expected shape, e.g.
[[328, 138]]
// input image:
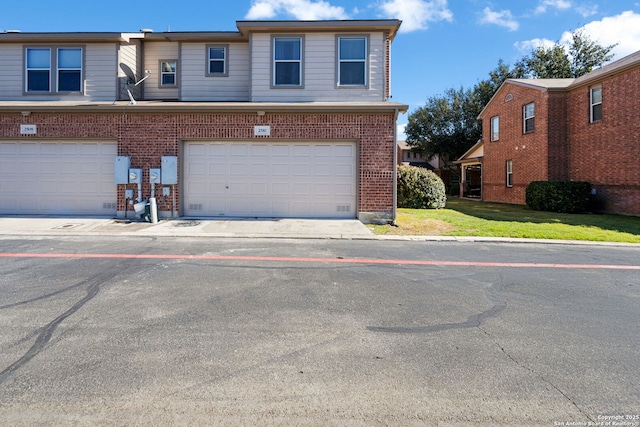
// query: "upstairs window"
[[509, 180], [53, 69], [495, 128], [352, 61], [529, 118], [217, 57], [287, 61], [168, 73], [38, 70], [596, 104], [69, 69]]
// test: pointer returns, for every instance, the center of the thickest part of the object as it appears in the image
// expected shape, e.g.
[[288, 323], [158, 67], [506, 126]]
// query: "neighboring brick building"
[[584, 129], [278, 119]]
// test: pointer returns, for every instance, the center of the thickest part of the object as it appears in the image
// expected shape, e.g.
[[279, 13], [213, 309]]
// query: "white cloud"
[[503, 18], [415, 14], [623, 29], [528, 45], [308, 10], [587, 10], [544, 5]]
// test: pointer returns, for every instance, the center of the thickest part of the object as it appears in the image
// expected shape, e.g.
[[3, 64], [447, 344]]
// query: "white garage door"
[[59, 178], [280, 180]]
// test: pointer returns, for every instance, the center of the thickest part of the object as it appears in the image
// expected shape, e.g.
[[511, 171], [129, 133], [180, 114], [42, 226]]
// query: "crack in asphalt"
[[542, 378], [476, 321], [47, 331], [472, 321]]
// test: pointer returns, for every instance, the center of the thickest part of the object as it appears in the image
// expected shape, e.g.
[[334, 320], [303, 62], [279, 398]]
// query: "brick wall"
[[606, 153], [145, 137], [529, 152]]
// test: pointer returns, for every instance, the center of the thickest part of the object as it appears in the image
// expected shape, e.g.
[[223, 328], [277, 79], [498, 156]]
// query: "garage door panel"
[[279, 169], [197, 150], [58, 177], [280, 150], [345, 190], [28, 149], [259, 189], [344, 151], [259, 169], [238, 150], [238, 169], [272, 180], [217, 169], [8, 149]]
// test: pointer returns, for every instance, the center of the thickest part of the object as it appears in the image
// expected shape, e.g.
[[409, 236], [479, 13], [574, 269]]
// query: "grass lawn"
[[470, 218]]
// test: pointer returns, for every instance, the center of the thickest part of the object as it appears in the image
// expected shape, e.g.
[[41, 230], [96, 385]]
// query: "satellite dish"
[[132, 80]]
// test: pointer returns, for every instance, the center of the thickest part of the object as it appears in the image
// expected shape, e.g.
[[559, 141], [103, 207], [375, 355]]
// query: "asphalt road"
[[187, 331]]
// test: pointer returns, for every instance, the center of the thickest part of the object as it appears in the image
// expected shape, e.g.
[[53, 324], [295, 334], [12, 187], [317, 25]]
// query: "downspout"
[[395, 168]]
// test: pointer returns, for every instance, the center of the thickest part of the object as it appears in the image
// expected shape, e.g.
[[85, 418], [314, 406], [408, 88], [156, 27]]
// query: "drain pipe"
[[395, 167]]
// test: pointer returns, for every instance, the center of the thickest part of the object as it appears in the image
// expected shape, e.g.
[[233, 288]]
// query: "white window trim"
[[525, 118], [365, 61], [225, 61], [593, 104], [161, 73], [495, 128], [509, 173], [53, 71], [273, 62]]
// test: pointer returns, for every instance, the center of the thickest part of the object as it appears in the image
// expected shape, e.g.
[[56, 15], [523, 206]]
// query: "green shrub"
[[562, 196], [420, 188], [454, 190]]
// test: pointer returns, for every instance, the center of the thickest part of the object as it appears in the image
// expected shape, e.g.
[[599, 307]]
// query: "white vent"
[[195, 206], [343, 208], [109, 205]]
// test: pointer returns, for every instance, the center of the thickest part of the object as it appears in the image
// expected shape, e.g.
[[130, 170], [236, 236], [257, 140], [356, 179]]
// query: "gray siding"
[[129, 55], [153, 54], [319, 77], [11, 72], [100, 72], [99, 75], [196, 86]]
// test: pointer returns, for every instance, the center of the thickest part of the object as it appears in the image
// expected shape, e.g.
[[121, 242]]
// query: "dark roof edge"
[[202, 107]]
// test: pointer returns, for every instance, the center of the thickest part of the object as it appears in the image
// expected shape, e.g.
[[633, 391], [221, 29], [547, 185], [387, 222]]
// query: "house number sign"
[[261, 130], [28, 129]]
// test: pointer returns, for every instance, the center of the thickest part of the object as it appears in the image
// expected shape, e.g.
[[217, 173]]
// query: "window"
[[352, 61], [529, 116], [509, 173], [495, 128], [69, 69], [596, 104], [57, 68], [38, 70], [168, 73], [287, 61], [217, 57]]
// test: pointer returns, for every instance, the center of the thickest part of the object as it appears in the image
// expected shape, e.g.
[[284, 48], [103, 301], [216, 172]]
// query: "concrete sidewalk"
[[186, 227], [284, 228]]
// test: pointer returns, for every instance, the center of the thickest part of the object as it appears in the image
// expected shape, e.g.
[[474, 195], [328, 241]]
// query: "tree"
[[586, 54], [580, 57], [546, 63], [446, 126]]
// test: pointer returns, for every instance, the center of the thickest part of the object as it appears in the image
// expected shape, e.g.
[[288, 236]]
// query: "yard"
[[471, 218]]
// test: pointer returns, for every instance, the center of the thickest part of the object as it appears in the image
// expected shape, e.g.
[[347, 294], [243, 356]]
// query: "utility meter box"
[[154, 176], [121, 167], [135, 176], [169, 172]]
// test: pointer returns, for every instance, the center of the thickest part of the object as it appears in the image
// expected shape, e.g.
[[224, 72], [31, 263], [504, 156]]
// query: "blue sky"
[[442, 44]]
